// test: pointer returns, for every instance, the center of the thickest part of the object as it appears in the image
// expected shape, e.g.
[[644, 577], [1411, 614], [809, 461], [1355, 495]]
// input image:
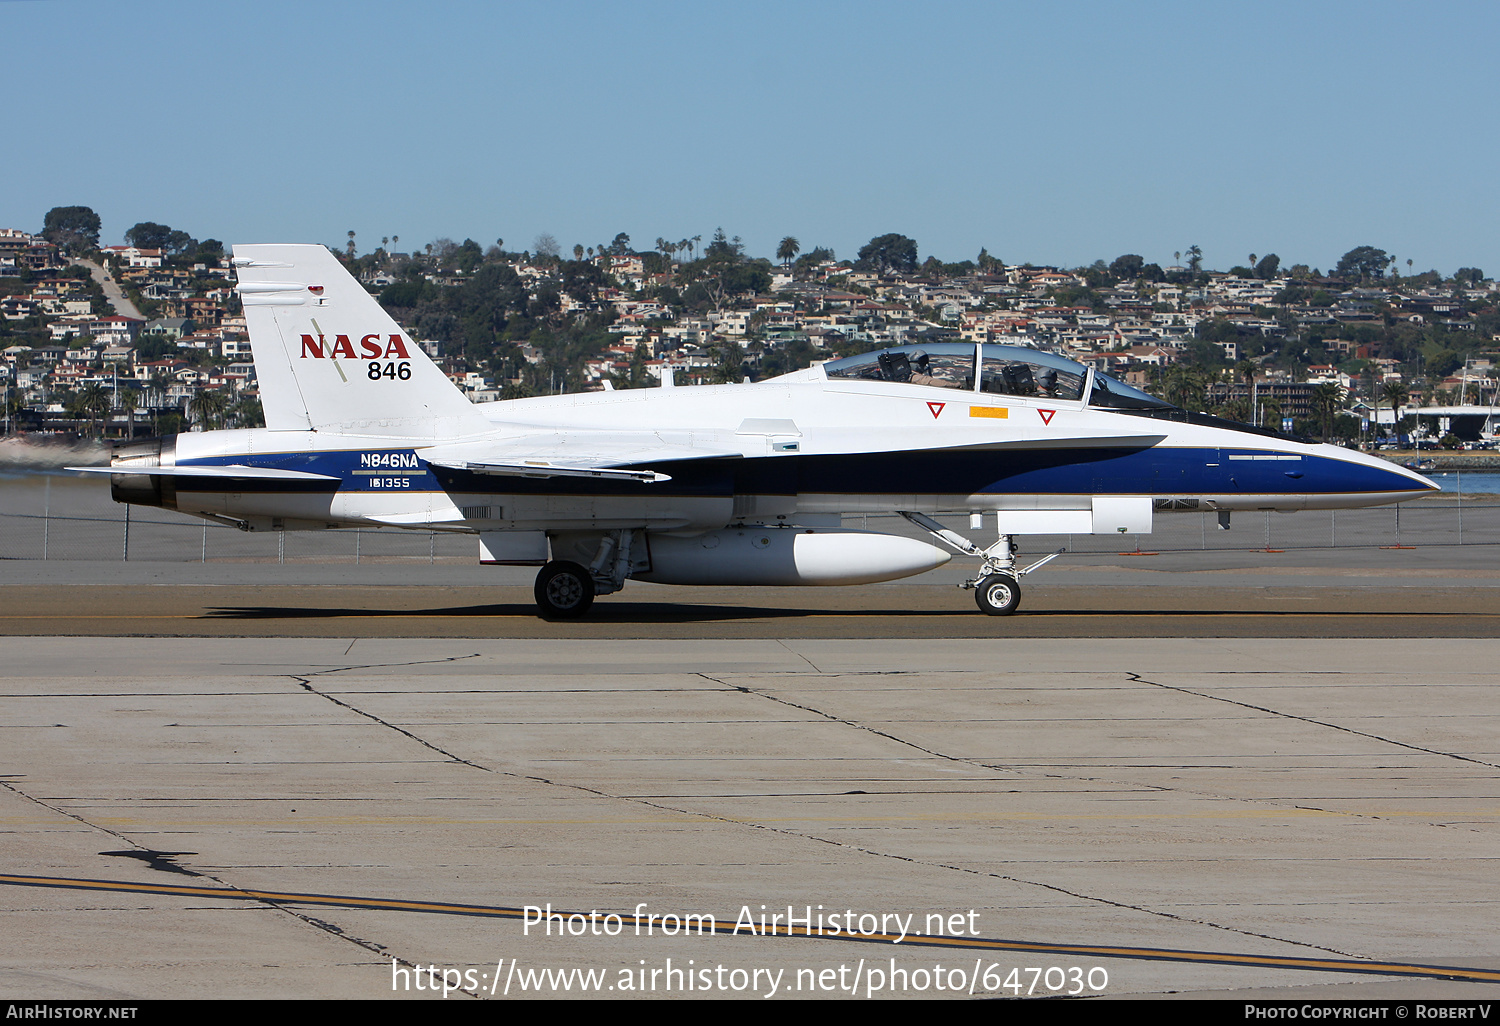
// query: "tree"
[[1269, 264], [91, 401], [74, 229], [468, 256], [720, 248], [1397, 394], [886, 253], [731, 365], [1127, 267], [1195, 259], [1327, 397], [130, 401], [351, 244], [1363, 262], [206, 405], [582, 280], [1270, 413], [544, 245], [149, 235], [787, 251]]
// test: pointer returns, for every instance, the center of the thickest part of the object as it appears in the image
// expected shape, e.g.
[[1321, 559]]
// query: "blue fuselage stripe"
[[1079, 471]]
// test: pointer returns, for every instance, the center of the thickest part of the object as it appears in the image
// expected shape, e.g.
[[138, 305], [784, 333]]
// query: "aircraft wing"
[[598, 456]]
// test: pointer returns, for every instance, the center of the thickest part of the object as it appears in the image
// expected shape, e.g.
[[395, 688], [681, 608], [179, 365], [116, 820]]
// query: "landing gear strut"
[[565, 590], [997, 587]]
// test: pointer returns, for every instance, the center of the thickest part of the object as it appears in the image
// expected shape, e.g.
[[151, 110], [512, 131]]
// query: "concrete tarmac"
[[1261, 609], [1211, 773], [1298, 818]]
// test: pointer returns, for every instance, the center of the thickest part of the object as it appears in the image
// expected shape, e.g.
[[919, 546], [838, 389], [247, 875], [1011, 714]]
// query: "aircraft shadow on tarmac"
[[617, 613], [613, 613]]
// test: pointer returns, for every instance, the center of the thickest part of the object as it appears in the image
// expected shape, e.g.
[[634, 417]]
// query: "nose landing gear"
[[997, 594], [997, 588]]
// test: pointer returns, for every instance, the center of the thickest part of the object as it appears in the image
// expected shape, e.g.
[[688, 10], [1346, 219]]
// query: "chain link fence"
[[63, 517], [52, 516]]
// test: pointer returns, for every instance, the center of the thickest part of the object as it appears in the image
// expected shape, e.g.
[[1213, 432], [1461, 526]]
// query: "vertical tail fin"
[[329, 358]]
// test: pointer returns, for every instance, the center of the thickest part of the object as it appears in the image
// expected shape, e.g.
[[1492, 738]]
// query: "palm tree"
[[91, 400], [578, 251], [1396, 393], [1327, 397], [1270, 413], [788, 250], [206, 405], [1195, 258], [351, 245], [130, 401]]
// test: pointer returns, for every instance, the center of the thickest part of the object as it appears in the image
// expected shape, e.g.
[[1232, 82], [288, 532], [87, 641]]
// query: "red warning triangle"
[[936, 408], [1047, 415]]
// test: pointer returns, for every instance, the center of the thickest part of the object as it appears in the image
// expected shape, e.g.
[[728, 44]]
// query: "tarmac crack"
[[154, 860], [985, 873], [306, 685], [799, 655], [855, 724], [1308, 719]]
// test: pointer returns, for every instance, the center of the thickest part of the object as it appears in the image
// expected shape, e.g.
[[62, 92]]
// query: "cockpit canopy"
[[1002, 370]]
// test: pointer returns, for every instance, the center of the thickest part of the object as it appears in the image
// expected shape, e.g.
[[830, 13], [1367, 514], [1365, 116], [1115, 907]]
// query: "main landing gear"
[[997, 587], [564, 590]]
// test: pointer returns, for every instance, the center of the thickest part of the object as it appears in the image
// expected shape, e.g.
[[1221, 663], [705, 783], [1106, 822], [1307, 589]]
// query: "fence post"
[[1460, 476]]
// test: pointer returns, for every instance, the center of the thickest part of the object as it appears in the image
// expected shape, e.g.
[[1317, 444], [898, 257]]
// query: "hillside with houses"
[[148, 336]]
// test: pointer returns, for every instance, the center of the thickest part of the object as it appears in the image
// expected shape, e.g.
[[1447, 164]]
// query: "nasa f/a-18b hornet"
[[738, 484]]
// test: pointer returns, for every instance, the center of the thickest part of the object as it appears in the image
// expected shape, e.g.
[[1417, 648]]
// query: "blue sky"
[[1047, 132]]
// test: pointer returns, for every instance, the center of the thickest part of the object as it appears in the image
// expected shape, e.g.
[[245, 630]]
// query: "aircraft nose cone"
[[1418, 482], [1404, 480]]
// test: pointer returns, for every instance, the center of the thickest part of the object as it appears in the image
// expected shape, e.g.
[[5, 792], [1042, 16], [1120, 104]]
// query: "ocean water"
[[1467, 482]]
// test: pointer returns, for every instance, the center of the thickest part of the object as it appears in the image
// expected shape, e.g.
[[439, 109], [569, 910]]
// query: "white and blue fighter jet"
[[716, 484]]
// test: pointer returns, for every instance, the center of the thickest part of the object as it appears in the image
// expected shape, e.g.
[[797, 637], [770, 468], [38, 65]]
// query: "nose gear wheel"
[[997, 594]]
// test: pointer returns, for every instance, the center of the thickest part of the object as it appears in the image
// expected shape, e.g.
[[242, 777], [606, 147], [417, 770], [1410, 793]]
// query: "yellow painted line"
[[997, 412], [1335, 965]]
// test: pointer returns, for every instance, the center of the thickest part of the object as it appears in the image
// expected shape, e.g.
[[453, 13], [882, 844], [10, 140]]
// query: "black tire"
[[998, 595], [564, 590]]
